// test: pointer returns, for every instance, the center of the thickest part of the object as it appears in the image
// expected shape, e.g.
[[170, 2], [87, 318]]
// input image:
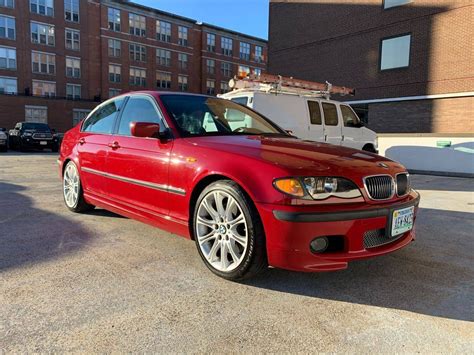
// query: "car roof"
[[157, 93]]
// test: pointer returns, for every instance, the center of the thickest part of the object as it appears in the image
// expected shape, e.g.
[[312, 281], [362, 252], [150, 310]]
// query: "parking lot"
[[100, 282]]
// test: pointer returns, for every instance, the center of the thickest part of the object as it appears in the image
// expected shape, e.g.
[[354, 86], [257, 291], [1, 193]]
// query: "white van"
[[309, 117]]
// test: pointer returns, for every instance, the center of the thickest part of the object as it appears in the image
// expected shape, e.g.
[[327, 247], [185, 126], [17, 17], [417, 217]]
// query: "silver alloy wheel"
[[221, 230], [71, 185]]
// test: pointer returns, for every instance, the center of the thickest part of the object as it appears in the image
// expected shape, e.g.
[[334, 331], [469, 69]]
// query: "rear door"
[[93, 145], [138, 166], [315, 126], [332, 124]]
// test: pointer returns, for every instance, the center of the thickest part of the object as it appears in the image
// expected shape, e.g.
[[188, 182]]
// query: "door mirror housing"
[[145, 129]]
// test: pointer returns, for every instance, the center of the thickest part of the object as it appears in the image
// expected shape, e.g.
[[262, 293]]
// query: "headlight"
[[27, 134], [318, 188]]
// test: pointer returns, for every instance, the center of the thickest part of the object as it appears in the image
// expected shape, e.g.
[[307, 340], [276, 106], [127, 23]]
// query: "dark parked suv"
[[29, 135]]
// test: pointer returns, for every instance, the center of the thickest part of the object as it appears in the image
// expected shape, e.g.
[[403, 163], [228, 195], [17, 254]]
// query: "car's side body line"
[[161, 187]]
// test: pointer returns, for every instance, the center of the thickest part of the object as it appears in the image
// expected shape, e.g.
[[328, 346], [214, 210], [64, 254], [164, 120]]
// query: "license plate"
[[402, 220], [43, 143]]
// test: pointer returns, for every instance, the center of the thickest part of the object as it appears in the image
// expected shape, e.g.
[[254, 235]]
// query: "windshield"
[[36, 126], [206, 116]]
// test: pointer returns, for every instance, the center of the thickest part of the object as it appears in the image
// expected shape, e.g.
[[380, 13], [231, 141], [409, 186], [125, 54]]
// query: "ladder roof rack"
[[279, 84]]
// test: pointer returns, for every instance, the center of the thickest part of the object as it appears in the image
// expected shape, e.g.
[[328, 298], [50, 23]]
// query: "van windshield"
[[205, 116]]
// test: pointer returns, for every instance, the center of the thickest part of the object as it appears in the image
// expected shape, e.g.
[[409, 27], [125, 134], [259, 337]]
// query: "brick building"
[[411, 61], [59, 58]]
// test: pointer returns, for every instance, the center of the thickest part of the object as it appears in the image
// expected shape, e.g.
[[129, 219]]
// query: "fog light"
[[319, 245]]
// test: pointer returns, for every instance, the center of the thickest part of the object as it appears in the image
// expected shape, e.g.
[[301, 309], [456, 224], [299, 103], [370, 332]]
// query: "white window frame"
[[5, 19], [8, 57], [163, 57], [116, 92], [49, 4], [48, 57], [116, 50], [16, 85], [183, 36], [211, 42], [74, 89], [72, 31], [227, 46], [137, 49], [183, 64], [4, 3], [183, 83], [142, 77], [163, 31], [115, 66], [80, 111], [210, 89], [71, 3], [74, 61], [54, 94], [114, 15], [31, 107], [137, 24], [161, 80], [244, 51]]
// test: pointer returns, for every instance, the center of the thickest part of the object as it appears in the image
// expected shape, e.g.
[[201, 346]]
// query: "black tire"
[[81, 205], [255, 258]]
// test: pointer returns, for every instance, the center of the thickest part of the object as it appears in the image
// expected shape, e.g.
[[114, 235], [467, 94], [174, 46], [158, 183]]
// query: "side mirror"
[[145, 129]]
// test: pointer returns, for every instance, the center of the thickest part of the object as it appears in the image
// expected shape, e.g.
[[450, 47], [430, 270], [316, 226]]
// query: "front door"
[[352, 135], [138, 167], [332, 126]]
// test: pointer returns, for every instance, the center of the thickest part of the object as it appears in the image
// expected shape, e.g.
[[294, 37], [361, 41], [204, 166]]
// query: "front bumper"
[[290, 229], [37, 143]]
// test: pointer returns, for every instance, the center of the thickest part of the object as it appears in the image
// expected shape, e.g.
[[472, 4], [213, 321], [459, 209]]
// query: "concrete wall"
[[419, 152]]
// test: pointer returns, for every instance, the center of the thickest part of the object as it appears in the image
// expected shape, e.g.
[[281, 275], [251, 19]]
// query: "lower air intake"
[[377, 237]]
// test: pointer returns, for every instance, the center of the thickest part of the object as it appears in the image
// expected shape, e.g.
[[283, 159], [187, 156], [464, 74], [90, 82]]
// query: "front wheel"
[[228, 232], [72, 190]]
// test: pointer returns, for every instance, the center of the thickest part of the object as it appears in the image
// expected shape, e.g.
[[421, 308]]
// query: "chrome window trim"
[[380, 175]]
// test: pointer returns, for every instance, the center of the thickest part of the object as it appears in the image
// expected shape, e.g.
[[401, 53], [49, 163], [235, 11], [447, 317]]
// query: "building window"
[[210, 66], [137, 25], [244, 51], [115, 48], [78, 115], [42, 7], [44, 88], [8, 85], [163, 57], [224, 87], [137, 76], [395, 52], [42, 34], [226, 46], [183, 36], [182, 61], [393, 3], [210, 87], [137, 52], [258, 54], [71, 10], [163, 31], [211, 42], [226, 69], [114, 19], [73, 92], [243, 71], [73, 39], [182, 83], [7, 27], [73, 67], [37, 114], [7, 3], [163, 80], [114, 92], [257, 71], [43, 63], [7, 58], [115, 73]]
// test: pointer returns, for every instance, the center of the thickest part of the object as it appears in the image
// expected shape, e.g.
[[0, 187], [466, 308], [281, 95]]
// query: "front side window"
[[8, 85], [73, 67], [73, 39], [163, 31], [395, 52], [183, 36], [113, 16], [42, 34], [393, 3], [115, 73], [7, 27], [244, 51], [163, 80], [211, 42], [115, 48], [103, 118], [314, 112], [137, 52], [44, 88], [137, 25], [71, 10], [42, 7], [205, 116], [330, 114], [137, 77], [210, 66], [73, 91], [142, 109], [163, 57], [7, 3], [349, 118], [182, 83], [226, 46], [7, 58], [43, 63]]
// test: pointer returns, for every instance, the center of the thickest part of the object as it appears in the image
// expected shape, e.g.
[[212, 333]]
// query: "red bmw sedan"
[[248, 193]]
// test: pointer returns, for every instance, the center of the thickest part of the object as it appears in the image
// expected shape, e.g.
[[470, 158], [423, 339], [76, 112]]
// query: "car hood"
[[301, 157]]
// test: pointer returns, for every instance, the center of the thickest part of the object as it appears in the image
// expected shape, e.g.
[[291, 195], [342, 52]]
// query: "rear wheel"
[[228, 233], [72, 190]]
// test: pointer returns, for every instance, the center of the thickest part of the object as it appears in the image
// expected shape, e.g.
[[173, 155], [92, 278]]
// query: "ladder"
[[280, 84]]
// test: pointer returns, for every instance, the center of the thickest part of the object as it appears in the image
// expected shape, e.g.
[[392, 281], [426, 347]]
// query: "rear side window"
[[102, 120], [241, 100], [330, 114], [349, 117], [314, 112], [139, 109]]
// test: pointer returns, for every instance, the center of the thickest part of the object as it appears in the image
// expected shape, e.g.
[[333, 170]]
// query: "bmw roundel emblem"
[[383, 165]]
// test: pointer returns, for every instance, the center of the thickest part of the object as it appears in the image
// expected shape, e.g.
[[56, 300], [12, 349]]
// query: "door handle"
[[81, 141], [325, 137], [342, 137], [114, 145]]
